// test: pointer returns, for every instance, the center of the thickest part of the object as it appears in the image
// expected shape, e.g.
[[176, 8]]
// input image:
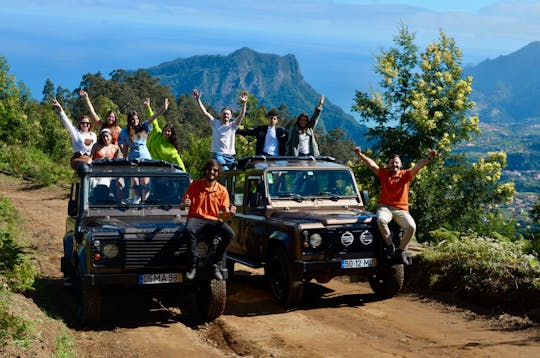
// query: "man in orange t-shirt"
[[206, 198], [394, 199]]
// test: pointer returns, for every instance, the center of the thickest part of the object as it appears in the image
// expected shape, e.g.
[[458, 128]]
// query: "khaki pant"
[[386, 214]]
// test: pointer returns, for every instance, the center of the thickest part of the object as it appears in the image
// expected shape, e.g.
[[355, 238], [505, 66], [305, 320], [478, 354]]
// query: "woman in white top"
[[82, 137]]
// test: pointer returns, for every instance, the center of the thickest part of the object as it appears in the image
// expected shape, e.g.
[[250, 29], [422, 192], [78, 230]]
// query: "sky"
[[334, 41]]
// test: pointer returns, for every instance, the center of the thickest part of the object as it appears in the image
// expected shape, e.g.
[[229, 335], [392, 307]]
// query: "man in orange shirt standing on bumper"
[[394, 199]]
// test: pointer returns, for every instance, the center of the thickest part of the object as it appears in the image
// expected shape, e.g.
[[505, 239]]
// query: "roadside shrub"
[[17, 271], [496, 273], [33, 164]]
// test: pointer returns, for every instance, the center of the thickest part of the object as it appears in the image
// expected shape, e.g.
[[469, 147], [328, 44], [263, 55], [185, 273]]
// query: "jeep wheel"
[[89, 305], [211, 299], [387, 281], [286, 287]]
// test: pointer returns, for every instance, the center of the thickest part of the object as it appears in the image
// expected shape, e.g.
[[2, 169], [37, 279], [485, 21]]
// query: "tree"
[[423, 104], [335, 143], [423, 101], [13, 120]]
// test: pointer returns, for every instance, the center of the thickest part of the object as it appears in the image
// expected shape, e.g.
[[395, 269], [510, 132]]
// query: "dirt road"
[[338, 319]]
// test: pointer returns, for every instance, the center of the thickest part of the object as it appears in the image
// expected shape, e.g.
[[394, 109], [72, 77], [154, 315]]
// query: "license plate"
[[358, 263], [157, 278]]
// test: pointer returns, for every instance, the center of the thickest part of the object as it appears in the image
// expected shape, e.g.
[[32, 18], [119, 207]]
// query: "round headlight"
[[110, 251], [315, 240]]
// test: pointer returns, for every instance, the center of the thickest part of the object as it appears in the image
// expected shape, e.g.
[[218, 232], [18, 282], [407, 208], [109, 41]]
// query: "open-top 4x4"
[[303, 218], [125, 229]]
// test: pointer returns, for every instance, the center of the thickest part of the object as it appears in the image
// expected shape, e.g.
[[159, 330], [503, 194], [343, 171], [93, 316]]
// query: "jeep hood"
[[136, 225], [330, 217]]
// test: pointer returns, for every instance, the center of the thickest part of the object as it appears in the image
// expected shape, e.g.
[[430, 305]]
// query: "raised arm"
[[65, 120], [197, 95], [316, 113], [149, 111], [432, 153], [90, 107], [162, 110], [243, 99], [368, 161]]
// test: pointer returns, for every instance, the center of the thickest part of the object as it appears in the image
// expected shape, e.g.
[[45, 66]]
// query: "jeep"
[[125, 229], [303, 218]]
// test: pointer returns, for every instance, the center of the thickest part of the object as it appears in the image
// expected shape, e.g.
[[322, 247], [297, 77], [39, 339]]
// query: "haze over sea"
[[334, 41]]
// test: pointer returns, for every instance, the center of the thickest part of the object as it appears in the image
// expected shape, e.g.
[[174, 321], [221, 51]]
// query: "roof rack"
[[107, 162], [245, 162]]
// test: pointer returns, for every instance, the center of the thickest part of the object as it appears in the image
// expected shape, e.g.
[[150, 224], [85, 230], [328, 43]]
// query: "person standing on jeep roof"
[[205, 198], [394, 199], [223, 131], [82, 136], [271, 139], [110, 122], [302, 141]]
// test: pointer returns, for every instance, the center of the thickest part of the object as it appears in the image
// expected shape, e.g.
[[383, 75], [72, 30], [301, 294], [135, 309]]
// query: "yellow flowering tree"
[[422, 103]]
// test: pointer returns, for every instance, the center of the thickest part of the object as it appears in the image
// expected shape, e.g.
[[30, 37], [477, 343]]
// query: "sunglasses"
[[85, 123], [215, 170]]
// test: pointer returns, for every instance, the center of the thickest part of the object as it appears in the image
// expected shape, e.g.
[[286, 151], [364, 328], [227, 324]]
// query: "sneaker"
[[402, 257], [217, 272], [190, 275]]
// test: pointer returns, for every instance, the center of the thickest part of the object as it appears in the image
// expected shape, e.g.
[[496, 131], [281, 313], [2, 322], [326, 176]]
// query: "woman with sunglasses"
[[163, 143], [82, 137]]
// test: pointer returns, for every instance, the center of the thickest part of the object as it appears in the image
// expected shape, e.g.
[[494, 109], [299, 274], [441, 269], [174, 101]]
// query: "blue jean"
[[226, 161]]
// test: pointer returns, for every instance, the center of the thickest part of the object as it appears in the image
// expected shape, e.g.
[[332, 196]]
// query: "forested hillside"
[[506, 91]]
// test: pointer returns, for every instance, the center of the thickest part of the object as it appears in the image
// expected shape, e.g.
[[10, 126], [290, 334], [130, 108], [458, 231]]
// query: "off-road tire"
[[211, 299], [287, 288], [88, 304], [387, 281]]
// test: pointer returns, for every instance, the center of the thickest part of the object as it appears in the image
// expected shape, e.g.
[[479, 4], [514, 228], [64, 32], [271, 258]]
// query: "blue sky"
[[334, 41]]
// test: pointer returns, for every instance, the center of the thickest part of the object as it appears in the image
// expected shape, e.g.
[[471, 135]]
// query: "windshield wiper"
[[295, 197]]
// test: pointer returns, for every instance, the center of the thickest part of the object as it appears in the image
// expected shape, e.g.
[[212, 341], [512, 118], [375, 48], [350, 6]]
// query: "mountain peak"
[[273, 79]]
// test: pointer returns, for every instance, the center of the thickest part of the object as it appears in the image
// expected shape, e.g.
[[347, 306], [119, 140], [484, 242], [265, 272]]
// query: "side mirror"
[[365, 197], [72, 208]]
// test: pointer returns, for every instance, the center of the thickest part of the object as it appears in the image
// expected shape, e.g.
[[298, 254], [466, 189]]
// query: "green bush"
[[17, 270], [17, 273], [33, 164], [484, 270]]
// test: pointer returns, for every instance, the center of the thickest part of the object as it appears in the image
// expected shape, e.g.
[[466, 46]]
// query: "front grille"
[[154, 249]]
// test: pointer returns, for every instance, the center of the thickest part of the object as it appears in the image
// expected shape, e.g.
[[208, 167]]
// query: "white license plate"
[[156, 278], [358, 263]]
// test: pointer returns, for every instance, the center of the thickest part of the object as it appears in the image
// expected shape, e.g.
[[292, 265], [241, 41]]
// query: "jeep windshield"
[[310, 183], [126, 190]]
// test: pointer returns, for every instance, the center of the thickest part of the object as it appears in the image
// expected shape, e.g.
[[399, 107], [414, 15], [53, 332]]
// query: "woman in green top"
[[162, 143]]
